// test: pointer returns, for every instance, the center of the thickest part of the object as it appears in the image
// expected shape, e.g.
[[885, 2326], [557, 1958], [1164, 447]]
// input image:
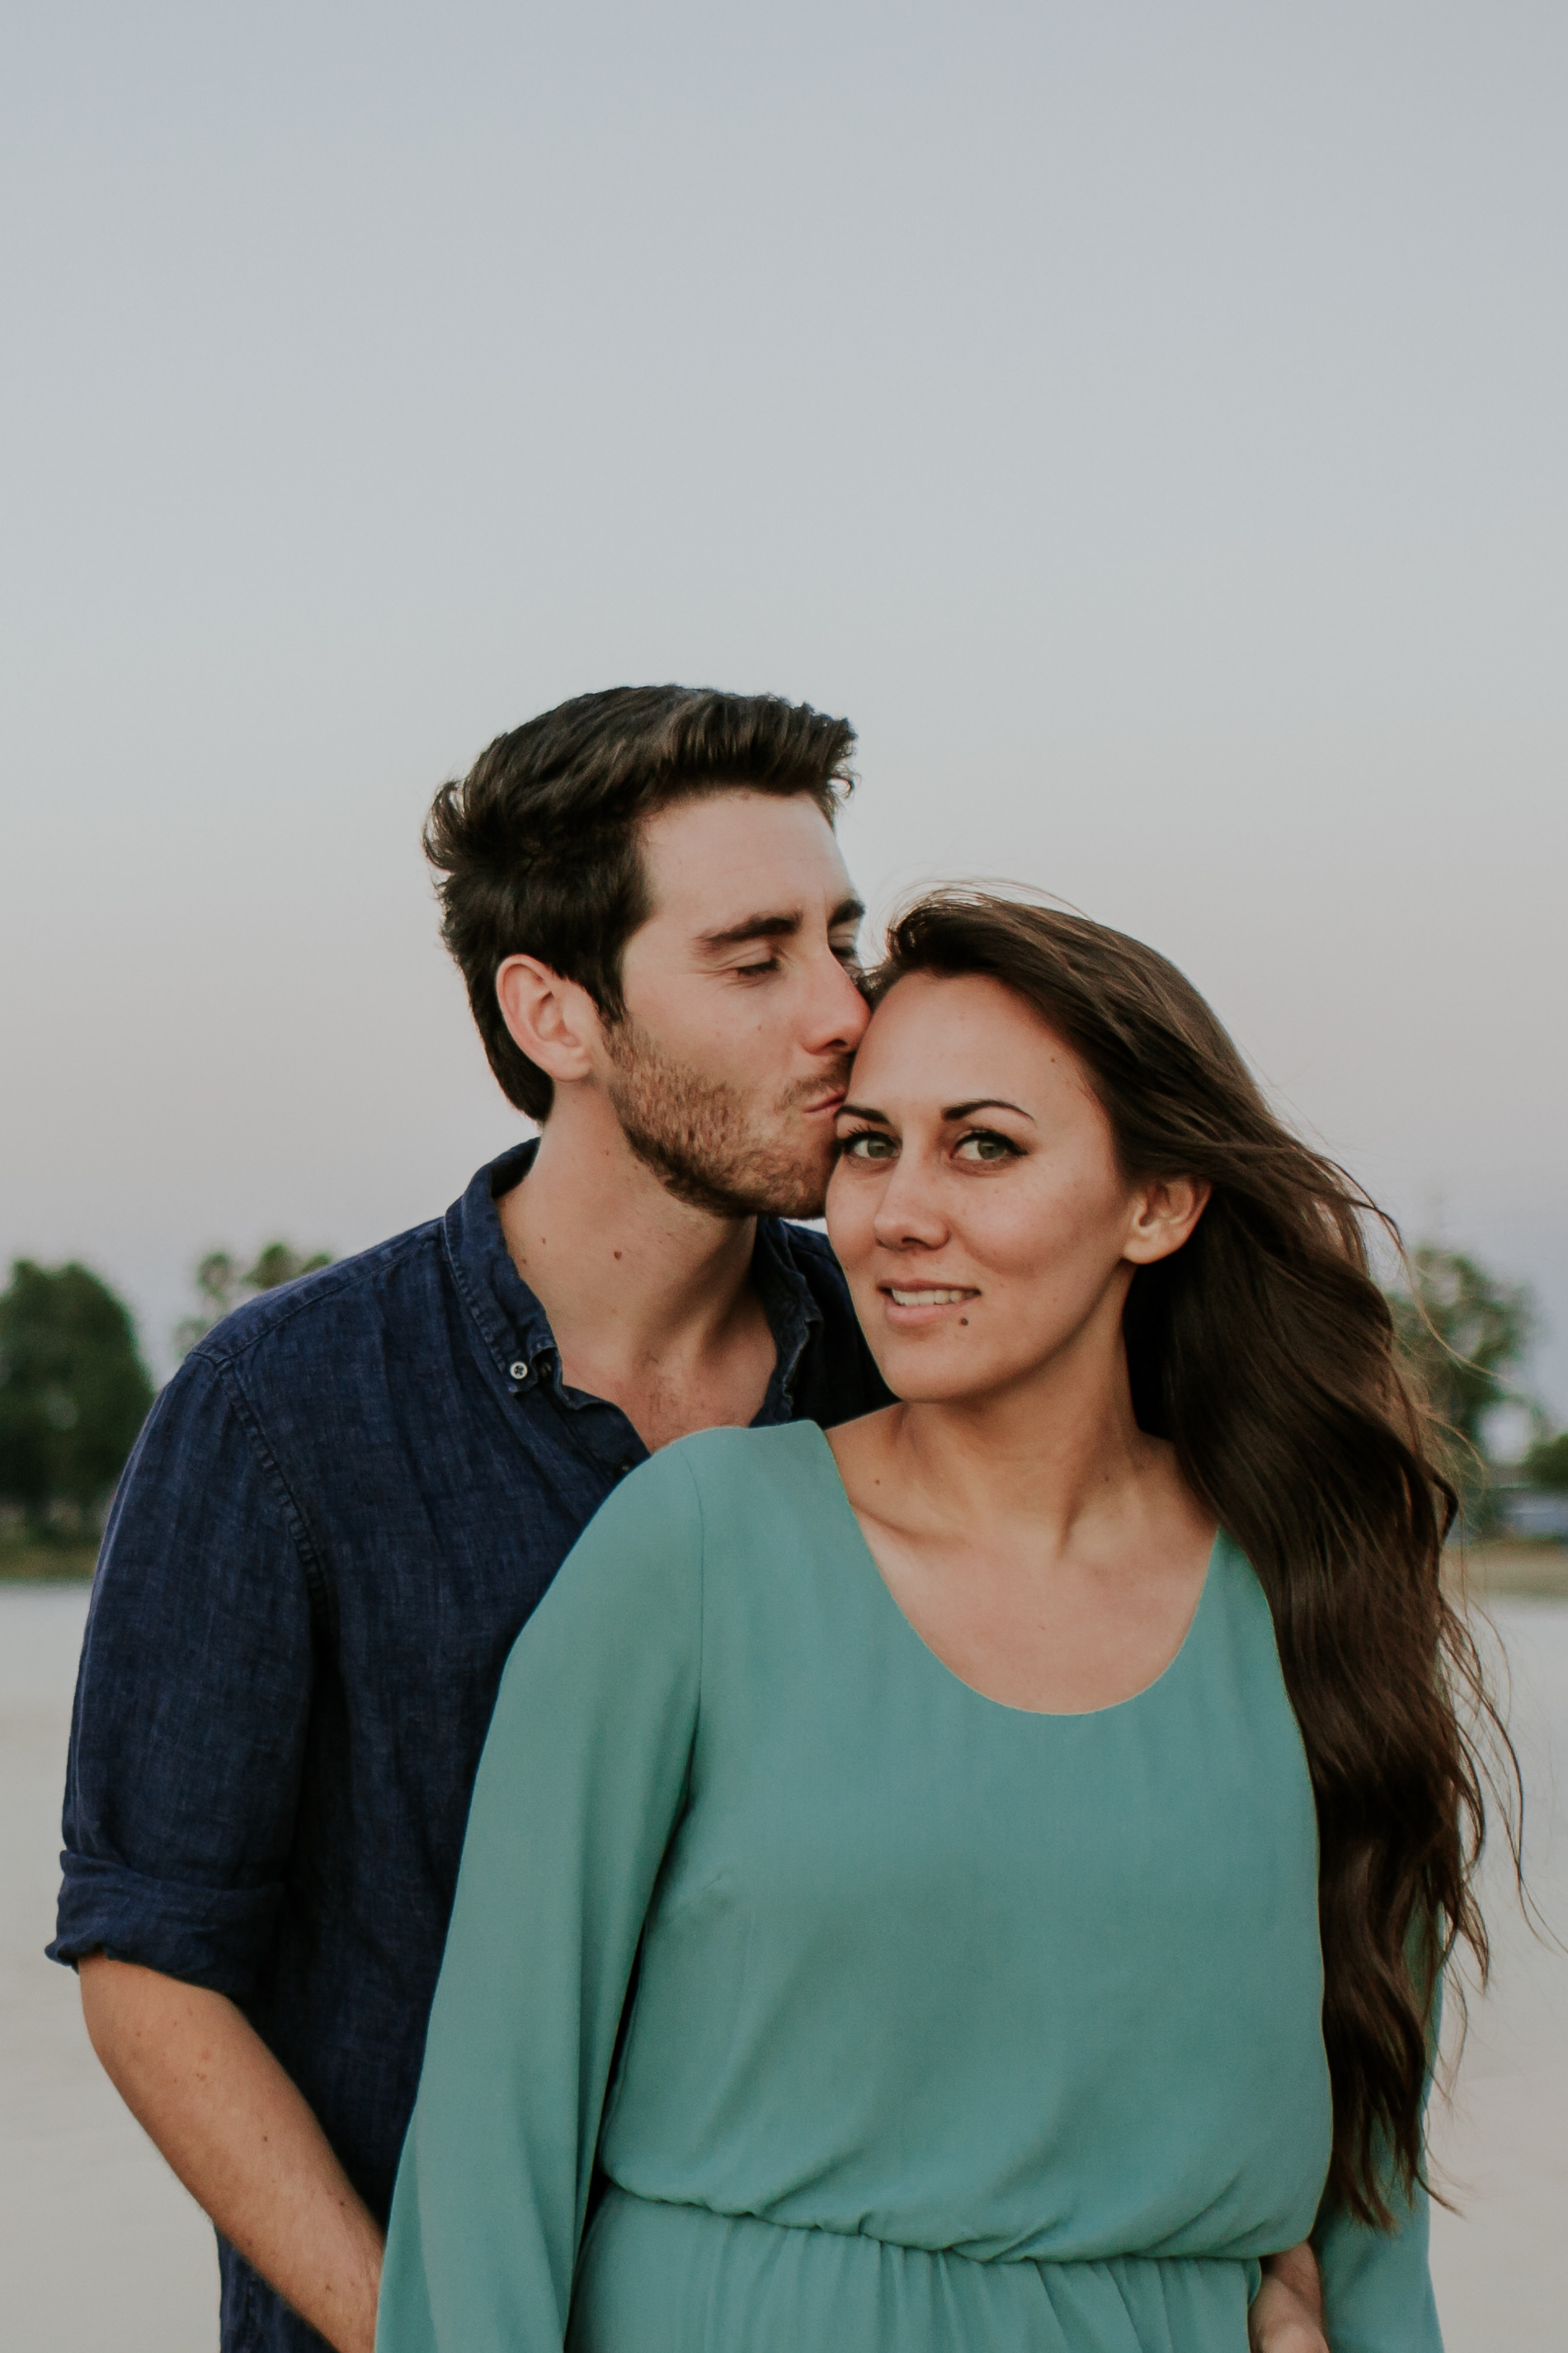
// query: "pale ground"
[[101, 2252]]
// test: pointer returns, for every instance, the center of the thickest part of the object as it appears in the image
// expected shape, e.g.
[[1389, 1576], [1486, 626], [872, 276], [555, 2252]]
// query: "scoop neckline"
[[1006, 1707]]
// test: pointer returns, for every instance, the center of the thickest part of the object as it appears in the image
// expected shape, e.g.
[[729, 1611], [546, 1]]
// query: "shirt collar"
[[515, 1329], [790, 1306]]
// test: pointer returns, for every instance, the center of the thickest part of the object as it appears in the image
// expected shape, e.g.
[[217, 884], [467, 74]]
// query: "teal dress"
[[956, 2028]]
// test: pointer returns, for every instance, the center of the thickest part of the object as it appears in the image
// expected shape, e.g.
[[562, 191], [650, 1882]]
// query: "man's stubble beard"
[[700, 1136]]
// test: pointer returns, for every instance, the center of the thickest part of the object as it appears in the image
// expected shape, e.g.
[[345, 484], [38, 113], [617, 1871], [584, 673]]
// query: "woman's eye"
[[985, 1143], [865, 1144]]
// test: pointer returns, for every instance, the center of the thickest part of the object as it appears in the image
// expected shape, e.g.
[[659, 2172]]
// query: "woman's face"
[[976, 1206]]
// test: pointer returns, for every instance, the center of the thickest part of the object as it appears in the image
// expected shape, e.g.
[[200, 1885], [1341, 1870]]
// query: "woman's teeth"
[[926, 1298]]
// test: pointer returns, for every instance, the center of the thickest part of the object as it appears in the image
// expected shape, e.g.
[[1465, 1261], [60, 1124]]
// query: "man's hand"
[[200, 2082], [1287, 2313]]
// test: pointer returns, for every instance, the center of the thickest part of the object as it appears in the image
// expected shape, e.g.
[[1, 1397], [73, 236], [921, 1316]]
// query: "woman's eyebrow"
[[952, 1112], [987, 1102]]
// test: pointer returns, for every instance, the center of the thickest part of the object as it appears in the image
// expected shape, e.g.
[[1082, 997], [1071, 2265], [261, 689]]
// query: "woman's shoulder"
[[718, 1456], [708, 1479], [1233, 1581], [698, 1518], [746, 1469], [1244, 1643]]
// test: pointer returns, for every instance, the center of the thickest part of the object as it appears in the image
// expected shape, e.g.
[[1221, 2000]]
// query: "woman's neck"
[[1051, 1454], [1046, 1548]]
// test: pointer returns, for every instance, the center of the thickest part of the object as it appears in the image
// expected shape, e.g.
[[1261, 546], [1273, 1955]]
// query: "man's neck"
[[650, 1300]]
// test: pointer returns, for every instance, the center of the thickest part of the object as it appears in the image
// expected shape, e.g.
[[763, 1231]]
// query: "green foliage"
[[1462, 1332], [73, 1393], [1546, 1465], [52, 1559], [221, 1287]]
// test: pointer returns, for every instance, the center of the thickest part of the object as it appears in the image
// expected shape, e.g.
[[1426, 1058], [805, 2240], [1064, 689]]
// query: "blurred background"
[[1145, 422]]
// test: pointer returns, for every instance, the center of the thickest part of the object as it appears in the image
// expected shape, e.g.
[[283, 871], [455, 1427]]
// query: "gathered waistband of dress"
[[723, 2214], [658, 2277]]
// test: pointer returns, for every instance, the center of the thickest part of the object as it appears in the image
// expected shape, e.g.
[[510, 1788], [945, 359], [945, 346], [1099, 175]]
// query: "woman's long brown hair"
[[1264, 1351]]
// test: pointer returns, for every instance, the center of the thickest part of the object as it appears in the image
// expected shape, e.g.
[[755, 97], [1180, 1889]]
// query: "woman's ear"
[[554, 1021], [1164, 1212]]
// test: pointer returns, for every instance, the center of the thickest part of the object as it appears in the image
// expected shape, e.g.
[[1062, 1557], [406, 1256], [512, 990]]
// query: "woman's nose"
[[907, 1215]]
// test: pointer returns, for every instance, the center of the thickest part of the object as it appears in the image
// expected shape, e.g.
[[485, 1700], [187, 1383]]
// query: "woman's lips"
[[924, 1303]]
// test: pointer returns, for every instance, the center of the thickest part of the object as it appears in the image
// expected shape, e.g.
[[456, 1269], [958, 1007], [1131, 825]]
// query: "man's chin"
[[753, 1193], [790, 1184], [765, 1185], [803, 1201]]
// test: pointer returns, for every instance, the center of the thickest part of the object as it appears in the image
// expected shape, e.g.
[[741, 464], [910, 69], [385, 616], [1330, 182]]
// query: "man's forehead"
[[723, 859]]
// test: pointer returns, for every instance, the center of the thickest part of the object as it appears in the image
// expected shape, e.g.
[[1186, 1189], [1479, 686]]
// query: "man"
[[355, 1490]]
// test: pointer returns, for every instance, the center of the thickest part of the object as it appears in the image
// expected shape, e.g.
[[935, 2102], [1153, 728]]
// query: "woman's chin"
[[919, 1375]]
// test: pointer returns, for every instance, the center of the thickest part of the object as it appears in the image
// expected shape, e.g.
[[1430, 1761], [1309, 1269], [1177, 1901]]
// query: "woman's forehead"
[[933, 1029]]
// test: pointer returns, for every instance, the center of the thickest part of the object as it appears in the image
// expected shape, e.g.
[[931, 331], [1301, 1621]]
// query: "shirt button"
[[519, 1371]]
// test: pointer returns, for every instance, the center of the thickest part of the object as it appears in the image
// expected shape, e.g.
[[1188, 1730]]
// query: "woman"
[[1038, 1806]]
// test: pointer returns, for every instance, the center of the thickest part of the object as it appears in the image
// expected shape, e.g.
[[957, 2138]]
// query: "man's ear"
[[556, 1022], [1164, 1213]]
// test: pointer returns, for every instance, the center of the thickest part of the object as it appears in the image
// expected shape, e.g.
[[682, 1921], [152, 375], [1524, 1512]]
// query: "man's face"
[[743, 1010]]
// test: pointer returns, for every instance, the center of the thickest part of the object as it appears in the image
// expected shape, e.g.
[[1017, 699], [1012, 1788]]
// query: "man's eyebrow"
[[778, 926], [755, 927]]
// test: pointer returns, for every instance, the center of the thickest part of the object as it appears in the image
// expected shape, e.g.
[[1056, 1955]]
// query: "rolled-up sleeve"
[[192, 1700]]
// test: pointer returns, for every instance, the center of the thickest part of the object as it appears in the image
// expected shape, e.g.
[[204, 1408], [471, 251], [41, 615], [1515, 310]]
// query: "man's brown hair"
[[537, 846]]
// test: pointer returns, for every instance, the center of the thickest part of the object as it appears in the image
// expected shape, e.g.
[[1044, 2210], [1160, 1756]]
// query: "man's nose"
[[840, 1018]]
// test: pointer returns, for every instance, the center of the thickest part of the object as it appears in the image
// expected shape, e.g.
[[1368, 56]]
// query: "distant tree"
[[73, 1393], [1462, 1332], [221, 1287], [1546, 1464]]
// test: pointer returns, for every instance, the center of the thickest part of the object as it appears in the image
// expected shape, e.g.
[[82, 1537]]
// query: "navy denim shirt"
[[340, 1513]]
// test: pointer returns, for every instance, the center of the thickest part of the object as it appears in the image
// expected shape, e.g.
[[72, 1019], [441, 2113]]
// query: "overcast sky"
[[1147, 423]]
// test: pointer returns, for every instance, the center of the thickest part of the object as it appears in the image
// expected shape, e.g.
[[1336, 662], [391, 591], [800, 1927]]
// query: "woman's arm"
[[1377, 2288], [1377, 2285], [582, 1782]]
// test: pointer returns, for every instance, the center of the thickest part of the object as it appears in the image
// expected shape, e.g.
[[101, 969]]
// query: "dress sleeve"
[[1377, 2289], [582, 1779], [1377, 2285], [192, 1704]]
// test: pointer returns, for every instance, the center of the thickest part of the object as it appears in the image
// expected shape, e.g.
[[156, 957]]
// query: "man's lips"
[[820, 1103]]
